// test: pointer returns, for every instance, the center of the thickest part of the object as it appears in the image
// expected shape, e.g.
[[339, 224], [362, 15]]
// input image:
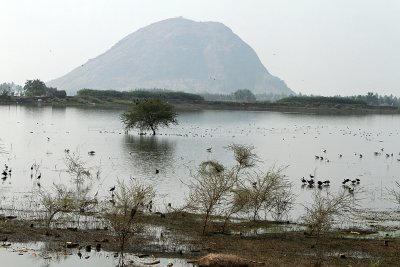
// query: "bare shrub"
[[82, 178], [122, 213], [282, 203], [218, 190], [244, 156], [266, 192], [57, 200], [395, 193], [326, 207], [77, 169], [61, 199], [210, 189]]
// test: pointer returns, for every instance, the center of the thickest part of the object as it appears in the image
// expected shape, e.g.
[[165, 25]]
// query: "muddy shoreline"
[[180, 237], [312, 108]]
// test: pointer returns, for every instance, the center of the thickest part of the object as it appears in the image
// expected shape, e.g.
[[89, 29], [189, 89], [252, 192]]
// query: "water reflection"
[[149, 152], [52, 254], [59, 111], [35, 111]]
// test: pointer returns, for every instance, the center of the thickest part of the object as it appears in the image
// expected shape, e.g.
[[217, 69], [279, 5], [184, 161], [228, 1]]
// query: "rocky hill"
[[176, 54]]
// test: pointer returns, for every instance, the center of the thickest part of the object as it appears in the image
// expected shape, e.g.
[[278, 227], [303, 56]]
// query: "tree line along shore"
[[35, 91]]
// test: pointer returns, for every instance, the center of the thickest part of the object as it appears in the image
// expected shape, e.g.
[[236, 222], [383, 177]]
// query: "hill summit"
[[176, 54]]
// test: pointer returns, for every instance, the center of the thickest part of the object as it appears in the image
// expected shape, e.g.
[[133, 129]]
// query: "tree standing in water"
[[149, 115]]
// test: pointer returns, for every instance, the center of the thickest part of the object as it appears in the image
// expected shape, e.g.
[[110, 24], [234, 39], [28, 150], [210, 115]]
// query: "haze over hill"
[[176, 54]]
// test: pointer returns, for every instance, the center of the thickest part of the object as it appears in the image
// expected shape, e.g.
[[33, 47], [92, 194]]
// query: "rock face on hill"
[[176, 54]]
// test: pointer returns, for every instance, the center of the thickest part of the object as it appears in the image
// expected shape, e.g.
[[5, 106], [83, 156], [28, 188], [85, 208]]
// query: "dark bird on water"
[[345, 181], [91, 152], [157, 171], [112, 188]]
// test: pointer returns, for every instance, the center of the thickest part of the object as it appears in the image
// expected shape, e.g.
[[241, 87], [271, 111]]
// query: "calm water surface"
[[41, 134], [39, 254]]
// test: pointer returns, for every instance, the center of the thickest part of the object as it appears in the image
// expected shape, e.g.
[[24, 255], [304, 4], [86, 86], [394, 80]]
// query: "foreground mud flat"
[[176, 239]]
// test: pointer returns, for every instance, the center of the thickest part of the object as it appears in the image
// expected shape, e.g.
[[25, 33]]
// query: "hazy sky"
[[323, 47]]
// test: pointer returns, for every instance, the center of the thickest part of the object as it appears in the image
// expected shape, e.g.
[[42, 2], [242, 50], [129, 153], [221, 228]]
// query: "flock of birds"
[[6, 172], [348, 184], [37, 175]]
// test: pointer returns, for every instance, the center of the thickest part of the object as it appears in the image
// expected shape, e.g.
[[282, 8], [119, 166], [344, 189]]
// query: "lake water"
[[40, 254], [41, 134]]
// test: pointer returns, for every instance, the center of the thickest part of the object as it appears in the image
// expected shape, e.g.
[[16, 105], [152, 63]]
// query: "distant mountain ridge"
[[176, 54]]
